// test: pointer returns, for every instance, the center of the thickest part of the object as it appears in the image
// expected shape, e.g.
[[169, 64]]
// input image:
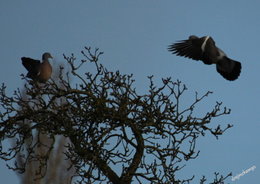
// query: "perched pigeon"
[[38, 71], [204, 49]]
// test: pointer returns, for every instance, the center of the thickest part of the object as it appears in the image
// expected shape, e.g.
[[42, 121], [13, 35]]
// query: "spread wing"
[[187, 48], [31, 65], [192, 48]]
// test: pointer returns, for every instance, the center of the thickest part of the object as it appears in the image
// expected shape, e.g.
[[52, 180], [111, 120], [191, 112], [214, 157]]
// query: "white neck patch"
[[204, 44]]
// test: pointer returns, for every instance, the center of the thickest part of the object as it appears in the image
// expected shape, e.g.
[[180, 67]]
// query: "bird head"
[[46, 56]]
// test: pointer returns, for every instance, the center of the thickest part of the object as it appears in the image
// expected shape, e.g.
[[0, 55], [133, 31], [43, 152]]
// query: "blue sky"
[[134, 36]]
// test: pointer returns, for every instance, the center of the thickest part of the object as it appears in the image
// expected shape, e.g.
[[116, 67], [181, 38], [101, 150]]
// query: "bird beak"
[[50, 59]]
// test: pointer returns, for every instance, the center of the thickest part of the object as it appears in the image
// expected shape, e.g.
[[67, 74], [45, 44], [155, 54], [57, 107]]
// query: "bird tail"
[[228, 68]]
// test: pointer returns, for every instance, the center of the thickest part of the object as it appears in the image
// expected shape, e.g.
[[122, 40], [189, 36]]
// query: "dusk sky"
[[134, 36]]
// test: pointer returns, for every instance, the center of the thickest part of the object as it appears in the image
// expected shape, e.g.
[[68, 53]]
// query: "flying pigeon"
[[38, 71], [204, 49]]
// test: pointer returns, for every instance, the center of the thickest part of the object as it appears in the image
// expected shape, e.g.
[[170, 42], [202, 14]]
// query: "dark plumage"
[[204, 49], [38, 71]]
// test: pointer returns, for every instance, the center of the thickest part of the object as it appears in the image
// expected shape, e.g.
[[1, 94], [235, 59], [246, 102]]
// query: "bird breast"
[[221, 53], [45, 71]]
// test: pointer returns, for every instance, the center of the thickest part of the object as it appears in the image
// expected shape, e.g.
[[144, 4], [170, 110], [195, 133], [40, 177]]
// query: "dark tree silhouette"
[[114, 134], [57, 172]]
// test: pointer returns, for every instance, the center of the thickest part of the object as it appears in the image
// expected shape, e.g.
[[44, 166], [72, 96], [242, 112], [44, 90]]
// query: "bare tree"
[[115, 134], [57, 172]]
